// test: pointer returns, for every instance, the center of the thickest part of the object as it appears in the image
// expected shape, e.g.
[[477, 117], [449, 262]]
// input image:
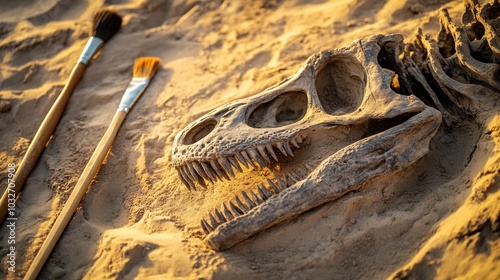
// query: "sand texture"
[[439, 219]]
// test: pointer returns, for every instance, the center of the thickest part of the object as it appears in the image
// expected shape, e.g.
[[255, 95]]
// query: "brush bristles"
[[145, 67], [106, 24]]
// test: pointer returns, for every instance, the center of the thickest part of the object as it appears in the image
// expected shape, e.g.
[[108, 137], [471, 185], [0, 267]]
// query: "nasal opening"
[[199, 132], [284, 109]]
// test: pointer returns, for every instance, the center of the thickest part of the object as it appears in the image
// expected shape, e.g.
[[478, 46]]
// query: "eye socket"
[[199, 132], [340, 85], [286, 108]]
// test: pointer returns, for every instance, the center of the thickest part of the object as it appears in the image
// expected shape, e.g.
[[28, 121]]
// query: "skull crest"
[[342, 98]]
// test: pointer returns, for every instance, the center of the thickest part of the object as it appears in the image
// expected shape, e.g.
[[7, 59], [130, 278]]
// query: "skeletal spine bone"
[[378, 99]]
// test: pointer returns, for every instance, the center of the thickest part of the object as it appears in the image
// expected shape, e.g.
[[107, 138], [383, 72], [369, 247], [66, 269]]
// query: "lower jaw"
[[370, 158]]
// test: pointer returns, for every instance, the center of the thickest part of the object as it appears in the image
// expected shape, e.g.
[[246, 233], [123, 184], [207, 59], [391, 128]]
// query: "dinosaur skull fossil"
[[338, 124]]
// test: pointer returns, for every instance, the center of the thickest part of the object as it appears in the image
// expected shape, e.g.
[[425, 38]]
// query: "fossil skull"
[[336, 125]]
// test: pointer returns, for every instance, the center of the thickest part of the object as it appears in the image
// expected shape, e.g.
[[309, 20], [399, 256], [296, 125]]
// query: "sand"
[[438, 220]]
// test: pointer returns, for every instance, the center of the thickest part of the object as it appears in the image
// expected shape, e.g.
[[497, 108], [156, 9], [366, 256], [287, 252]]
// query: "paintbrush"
[[105, 25], [144, 70]]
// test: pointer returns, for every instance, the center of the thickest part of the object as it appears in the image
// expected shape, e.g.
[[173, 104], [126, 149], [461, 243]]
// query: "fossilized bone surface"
[[370, 88]]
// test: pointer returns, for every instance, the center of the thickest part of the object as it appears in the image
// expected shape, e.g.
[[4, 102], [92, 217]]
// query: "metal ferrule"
[[132, 93], [93, 45]]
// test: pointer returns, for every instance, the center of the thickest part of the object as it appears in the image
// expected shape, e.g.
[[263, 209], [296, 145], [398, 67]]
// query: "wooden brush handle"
[[77, 194], [42, 137]]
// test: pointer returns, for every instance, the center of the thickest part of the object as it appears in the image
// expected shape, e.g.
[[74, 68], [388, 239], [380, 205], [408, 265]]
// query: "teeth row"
[[224, 167], [248, 200]]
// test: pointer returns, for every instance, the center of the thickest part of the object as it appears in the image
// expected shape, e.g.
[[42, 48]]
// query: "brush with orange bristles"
[[105, 25], [144, 70]]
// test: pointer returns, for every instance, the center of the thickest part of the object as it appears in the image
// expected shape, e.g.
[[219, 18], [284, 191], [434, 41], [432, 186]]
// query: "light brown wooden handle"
[[77, 194], [41, 138]]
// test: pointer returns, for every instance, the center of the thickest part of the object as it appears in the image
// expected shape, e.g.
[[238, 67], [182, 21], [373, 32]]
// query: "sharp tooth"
[[202, 182], [309, 168], [192, 172], [187, 173], [273, 186], [250, 203], [191, 169], [264, 192], [235, 163], [236, 210], [287, 181], [219, 216], [280, 147], [195, 175], [302, 172], [217, 170], [208, 171], [241, 159], [242, 206], [206, 227], [270, 150], [288, 149], [297, 176], [181, 176], [226, 165], [187, 177], [299, 139], [200, 171], [294, 143], [293, 176], [229, 216], [225, 174], [247, 158], [255, 156], [215, 224], [257, 199], [262, 152], [281, 183]]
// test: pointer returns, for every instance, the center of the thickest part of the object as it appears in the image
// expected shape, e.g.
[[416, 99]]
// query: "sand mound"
[[440, 220]]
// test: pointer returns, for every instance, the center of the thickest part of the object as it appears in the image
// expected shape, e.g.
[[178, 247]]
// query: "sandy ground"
[[438, 220]]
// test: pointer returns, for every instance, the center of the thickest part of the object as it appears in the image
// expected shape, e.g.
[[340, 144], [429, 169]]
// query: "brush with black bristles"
[[144, 70], [106, 24]]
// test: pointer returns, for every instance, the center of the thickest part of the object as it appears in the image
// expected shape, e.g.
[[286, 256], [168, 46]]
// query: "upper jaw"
[[378, 155], [223, 166], [232, 143]]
